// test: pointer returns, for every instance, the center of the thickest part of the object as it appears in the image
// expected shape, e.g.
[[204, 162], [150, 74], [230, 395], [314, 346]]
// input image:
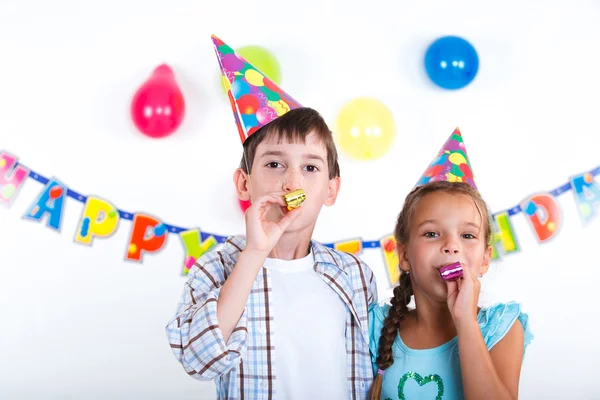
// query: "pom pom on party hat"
[[255, 99], [451, 163]]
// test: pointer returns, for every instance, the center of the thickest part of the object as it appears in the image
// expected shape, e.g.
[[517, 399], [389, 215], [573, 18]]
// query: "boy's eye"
[[311, 168], [430, 234], [468, 236], [273, 164]]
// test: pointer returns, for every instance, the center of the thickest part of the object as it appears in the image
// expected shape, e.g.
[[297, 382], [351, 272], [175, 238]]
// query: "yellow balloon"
[[365, 129], [263, 60]]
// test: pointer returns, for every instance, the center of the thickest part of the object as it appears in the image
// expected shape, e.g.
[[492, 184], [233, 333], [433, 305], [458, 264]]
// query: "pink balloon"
[[158, 106], [244, 204]]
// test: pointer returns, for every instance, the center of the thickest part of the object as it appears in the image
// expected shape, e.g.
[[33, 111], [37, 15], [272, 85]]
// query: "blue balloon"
[[451, 62]]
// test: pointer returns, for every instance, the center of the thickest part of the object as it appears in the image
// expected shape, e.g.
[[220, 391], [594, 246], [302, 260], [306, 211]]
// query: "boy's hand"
[[261, 234]]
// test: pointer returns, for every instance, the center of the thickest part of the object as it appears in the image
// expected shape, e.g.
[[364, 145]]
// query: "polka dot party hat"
[[451, 163], [255, 99]]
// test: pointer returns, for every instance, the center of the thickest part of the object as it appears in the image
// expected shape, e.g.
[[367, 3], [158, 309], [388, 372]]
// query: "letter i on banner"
[[390, 256], [587, 196], [504, 239], [12, 177], [50, 202], [98, 219], [195, 247], [148, 234], [543, 214]]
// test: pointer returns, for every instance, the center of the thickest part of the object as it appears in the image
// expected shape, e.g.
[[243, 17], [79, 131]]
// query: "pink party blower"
[[451, 272]]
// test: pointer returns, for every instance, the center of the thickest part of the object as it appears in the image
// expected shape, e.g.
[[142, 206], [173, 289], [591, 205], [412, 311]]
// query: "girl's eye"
[[430, 234], [468, 236]]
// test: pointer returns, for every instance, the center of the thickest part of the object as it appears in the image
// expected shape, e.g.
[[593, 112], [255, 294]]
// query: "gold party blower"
[[294, 199]]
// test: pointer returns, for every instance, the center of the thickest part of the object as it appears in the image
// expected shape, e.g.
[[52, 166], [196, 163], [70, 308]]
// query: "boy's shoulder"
[[350, 263], [227, 253], [349, 270]]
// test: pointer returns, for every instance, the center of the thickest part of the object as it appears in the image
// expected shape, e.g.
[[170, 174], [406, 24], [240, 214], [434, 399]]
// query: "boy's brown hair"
[[294, 126]]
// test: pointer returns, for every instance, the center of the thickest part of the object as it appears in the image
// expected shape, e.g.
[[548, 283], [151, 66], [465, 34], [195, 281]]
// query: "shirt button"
[[262, 331], [263, 384]]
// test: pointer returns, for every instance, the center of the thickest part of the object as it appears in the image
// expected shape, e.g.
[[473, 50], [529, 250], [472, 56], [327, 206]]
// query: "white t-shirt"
[[309, 322]]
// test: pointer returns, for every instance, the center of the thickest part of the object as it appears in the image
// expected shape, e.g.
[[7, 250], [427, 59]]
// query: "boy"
[[274, 314]]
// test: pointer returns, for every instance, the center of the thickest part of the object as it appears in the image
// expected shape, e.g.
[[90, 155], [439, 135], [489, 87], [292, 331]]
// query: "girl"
[[446, 347]]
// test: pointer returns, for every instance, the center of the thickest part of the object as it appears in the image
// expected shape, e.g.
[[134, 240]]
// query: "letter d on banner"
[[543, 214]]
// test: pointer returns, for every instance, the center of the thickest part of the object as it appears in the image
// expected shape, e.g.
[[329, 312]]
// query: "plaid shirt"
[[244, 367]]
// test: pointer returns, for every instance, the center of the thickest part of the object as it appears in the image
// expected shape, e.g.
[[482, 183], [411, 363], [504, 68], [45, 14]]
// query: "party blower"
[[451, 272]]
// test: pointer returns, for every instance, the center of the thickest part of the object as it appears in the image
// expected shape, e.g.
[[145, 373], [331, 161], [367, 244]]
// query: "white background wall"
[[78, 322]]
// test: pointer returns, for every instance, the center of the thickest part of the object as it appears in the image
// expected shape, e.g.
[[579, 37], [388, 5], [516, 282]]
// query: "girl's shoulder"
[[377, 314], [495, 322]]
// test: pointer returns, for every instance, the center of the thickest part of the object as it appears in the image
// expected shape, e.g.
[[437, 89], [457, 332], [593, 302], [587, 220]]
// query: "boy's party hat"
[[451, 164], [255, 99]]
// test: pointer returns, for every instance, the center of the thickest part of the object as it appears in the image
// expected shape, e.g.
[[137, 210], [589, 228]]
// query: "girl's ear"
[[487, 259], [403, 262]]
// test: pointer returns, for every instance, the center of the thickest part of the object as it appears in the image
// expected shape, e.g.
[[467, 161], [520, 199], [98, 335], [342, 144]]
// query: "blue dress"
[[435, 373]]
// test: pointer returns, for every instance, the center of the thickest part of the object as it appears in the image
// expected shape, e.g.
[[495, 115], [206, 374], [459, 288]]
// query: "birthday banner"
[[148, 234]]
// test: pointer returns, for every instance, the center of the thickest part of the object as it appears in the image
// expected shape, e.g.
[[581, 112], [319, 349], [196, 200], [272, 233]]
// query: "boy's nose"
[[291, 182]]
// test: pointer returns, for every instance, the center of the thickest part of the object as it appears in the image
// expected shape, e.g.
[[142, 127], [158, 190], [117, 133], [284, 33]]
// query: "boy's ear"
[[333, 190], [241, 180]]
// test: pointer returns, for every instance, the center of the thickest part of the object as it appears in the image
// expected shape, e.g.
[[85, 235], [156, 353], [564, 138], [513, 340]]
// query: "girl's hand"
[[463, 296]]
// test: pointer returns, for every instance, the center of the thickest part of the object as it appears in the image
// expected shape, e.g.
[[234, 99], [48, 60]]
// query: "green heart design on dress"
[[421, 381]]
